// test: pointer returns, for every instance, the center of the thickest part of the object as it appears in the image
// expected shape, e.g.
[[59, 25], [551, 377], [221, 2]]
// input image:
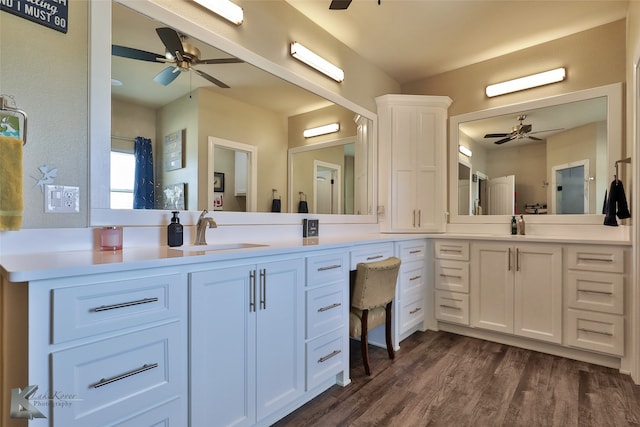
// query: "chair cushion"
[[375, 283], [376, 318]]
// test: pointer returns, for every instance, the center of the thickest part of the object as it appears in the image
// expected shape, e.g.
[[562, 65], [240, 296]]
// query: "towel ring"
[[4, 106]]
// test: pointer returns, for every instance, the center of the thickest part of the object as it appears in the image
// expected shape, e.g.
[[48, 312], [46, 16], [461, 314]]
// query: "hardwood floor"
[[443, 379]]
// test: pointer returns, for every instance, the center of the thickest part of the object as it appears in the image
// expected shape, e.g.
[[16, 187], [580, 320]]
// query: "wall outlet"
[[61, 199]]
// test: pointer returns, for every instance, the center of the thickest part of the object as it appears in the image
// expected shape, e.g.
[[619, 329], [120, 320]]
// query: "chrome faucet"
[[201, 227]]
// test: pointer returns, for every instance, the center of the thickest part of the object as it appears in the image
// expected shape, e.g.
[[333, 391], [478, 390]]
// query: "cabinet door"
[[492, 286], [403, 165], [538, 292], [280, 335], [222, 348]]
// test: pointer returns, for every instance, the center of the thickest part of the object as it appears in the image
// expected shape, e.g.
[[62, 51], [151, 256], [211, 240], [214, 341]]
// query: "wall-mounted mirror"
[[179, 109], [549, 158]]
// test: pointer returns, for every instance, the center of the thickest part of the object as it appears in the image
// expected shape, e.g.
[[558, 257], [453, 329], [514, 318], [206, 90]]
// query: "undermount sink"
[[217, 247]]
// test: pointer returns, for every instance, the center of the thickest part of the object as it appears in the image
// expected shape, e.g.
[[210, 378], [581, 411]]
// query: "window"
[[122, 177]]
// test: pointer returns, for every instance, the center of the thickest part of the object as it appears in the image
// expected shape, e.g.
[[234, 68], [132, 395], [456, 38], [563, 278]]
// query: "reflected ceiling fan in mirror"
[[182, 55], [341, 4], [520, 131]]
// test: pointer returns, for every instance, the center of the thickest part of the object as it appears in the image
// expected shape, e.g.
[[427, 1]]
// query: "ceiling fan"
[[341, 4], [520, 131], [181, 55]]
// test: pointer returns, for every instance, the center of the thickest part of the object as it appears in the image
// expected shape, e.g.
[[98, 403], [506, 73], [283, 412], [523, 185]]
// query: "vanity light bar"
[[527, 82], [321, 130], [314, 60], [225, 8], [464, 150]]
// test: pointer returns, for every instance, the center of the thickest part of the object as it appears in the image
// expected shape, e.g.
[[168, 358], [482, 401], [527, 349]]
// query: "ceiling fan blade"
[[220, 61], [496, 135], [171, 41], [210, 78], [502, 141], [167, 75], [142, 55], [339, 4], [524, 129], [534, 138]]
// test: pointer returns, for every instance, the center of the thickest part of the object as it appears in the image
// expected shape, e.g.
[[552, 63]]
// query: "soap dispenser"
[[514, 225], [174, 231], [521, 225]]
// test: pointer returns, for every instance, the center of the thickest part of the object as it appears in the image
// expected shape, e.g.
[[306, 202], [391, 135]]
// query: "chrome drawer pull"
[[329, 307], [329, 356], [450, 275], [591, 331], [124, 304], [455, 251], [417, 251], [252, 291], [331, 267], [415, 278], [595, 259], [417, 309], [104, 381], [595, 292], [374, 257], [450, 306]]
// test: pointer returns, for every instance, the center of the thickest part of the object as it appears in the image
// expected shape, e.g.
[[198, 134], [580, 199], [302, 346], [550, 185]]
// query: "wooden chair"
[[372, 296]]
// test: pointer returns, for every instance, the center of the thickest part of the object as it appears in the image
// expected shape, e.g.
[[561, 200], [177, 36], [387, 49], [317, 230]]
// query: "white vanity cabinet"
[[452, 281], [411, 304], [517, 289], [594, 293], [247, 341], [412, 142]]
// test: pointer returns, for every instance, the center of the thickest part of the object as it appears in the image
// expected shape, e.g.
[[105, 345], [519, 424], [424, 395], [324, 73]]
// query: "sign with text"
[[50, 13]]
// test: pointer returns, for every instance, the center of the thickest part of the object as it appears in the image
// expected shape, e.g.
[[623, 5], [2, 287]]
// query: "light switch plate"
[[61, 199]]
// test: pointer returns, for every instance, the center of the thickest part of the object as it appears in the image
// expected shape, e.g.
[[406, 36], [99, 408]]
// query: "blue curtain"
[[143, 187]]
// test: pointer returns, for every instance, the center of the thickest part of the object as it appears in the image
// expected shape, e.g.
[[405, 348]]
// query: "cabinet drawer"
[[596, 258], [413, 251], [168, 413], [452, 275], [411, 314], [328, 268], [452, 249], [325, 309], [596, 291], [370, 253], [89, 310], [325, 358], [114, 378], [412, 281], [596, 331], [452, 307]]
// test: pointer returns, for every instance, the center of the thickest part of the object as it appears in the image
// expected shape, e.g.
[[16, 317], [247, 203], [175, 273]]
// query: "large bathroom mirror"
[[179, 109], [552, 159]]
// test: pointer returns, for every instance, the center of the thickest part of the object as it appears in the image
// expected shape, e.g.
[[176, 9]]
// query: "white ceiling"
[[413, 39]]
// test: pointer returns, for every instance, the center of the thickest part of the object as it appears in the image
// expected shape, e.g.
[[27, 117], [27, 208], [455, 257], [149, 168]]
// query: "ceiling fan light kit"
[[314, 60], [225, 8], [321, 130], [527, 82]]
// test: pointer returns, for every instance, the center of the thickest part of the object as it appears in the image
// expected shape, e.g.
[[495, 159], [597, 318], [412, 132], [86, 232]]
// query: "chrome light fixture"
[[464, 150], [225, 8], [321, 130], [314, 60], [527, 82]]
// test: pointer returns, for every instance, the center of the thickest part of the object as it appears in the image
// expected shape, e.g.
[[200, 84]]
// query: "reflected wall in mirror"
[[545, 157], [257, 109]]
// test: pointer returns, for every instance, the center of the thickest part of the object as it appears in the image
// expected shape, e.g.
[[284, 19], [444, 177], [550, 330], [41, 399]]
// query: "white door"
[[327, 188], [501, 195], [538, 292]]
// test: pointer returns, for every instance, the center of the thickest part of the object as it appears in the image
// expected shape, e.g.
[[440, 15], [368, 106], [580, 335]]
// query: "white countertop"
[[49, 265]]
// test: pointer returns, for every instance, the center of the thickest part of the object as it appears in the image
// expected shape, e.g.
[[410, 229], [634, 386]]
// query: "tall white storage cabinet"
[[412, 157]]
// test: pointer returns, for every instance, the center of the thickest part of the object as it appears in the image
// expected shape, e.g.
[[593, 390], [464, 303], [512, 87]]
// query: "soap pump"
[[521, 225], [514, 225], [174, 231]]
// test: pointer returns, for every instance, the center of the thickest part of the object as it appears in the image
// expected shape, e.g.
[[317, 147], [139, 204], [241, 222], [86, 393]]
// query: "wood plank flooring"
[[443, 379]]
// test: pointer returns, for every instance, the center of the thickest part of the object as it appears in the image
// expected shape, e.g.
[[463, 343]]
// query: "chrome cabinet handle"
[[591, 331], [417, 309], [595, 292], [419, 217], [124, 304], [252, 291], [414, 218], [329, 307], [517, 259], [329, 356], [374, 257], [450, 275], [595, 259], [330, 267], [455, 251], [263, 289], [417, 251], [415, 278], [509, 258], [450, 306], [105, 381]]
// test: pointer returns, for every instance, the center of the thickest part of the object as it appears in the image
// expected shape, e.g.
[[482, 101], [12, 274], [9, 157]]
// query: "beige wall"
[[593, 58], [323, 116]]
